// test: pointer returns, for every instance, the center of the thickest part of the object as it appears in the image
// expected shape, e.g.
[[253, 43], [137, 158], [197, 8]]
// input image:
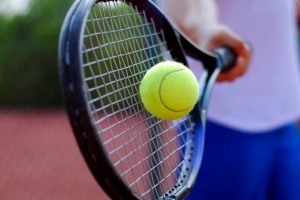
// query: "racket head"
[[105, 49]]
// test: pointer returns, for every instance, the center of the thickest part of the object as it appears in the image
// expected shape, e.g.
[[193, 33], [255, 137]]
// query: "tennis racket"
[[105, 49]]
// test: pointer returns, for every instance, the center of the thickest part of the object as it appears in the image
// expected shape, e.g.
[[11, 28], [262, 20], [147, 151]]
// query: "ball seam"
[[159, 92]]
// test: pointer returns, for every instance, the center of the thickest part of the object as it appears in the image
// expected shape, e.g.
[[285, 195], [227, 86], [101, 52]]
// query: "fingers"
[[243, 52], [225, 37], [237, 71], [298, 10]]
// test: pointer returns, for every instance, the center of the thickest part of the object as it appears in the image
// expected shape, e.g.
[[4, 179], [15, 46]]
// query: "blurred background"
[[39, 158], [28, 54]]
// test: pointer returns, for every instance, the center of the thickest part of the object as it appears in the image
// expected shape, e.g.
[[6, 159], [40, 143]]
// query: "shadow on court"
[[39, 159]]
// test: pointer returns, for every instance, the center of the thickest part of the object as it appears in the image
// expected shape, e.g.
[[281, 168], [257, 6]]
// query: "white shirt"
[[268, 95]]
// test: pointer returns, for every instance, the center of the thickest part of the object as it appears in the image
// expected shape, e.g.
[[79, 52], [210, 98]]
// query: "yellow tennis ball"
[[169, 90]]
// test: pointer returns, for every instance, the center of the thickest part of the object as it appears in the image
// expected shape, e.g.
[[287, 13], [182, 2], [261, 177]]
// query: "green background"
[[28, 55]]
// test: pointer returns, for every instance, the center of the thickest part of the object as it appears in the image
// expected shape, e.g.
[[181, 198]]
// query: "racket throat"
[[203, 119]]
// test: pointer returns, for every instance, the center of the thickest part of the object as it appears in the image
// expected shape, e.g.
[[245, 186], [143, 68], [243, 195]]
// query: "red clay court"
[[40, 160]]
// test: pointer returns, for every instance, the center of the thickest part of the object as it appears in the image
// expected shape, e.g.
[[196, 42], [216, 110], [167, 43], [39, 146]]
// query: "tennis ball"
[[169, 90]]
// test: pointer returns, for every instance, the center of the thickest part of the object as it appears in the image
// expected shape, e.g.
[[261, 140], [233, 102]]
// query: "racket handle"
[[227, 56]]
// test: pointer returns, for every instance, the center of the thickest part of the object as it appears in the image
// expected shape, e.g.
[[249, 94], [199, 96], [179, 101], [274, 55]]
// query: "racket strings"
[[119, 47], [158, 148], [122, 159]]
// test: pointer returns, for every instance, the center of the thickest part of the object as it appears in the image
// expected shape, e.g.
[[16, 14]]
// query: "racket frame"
[[70, 60]]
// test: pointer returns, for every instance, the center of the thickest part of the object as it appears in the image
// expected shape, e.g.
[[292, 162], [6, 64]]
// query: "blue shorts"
[[241, 166]]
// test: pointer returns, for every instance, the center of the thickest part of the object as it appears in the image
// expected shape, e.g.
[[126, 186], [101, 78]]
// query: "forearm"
[[192, 16], [198, 19]]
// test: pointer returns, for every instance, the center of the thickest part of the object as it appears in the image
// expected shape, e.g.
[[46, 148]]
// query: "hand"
[[215, 36], [298, 10]]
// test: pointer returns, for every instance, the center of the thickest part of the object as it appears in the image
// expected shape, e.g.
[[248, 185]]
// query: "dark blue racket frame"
[[70, 46]]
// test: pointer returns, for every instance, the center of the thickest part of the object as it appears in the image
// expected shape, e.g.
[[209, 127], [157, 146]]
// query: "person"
[[252, 149]]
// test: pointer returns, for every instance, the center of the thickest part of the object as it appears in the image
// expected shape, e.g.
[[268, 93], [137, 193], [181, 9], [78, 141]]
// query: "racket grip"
[[227, 56]]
